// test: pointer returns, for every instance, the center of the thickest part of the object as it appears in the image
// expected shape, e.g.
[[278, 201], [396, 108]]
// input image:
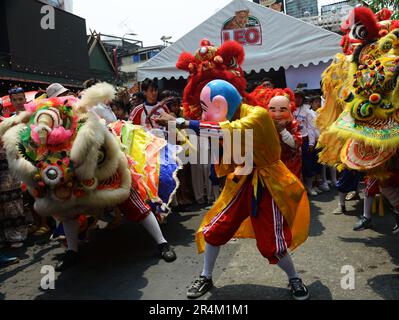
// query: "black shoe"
[[6, 261], [200, 286], [298, 289], [167, 252], [363, 224], [69, 260]]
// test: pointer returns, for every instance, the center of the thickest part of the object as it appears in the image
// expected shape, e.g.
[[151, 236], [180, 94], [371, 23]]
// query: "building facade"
[[295, 8], [332, 15], [132, 61], [301, 8], [33, 57]]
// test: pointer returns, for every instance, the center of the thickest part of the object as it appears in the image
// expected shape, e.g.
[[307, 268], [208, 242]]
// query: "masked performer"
[[281, 104], [261, 199]]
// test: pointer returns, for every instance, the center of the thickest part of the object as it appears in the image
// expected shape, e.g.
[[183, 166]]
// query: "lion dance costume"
[[73, 164], [359, 122], [210, 63]]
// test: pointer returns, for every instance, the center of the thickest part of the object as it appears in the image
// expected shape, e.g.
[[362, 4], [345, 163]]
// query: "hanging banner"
[[243, 28]]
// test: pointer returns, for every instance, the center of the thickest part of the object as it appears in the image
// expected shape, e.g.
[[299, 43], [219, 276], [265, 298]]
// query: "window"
[[152, 54], [143, 57], [136, 58]]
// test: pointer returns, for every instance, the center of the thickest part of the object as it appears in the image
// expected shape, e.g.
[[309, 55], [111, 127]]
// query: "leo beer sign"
[[243, 28]]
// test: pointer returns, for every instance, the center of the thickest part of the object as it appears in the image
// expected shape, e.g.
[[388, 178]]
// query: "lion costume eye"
[[101, 156], [359, 32], [233, 63], [362, 110]]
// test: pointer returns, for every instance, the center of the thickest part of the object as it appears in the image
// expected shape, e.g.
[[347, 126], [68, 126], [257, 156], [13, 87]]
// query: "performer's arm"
[[288, 139], [205, 129]]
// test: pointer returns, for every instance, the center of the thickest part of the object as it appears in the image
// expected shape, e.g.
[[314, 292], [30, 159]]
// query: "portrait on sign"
[[243, 28]]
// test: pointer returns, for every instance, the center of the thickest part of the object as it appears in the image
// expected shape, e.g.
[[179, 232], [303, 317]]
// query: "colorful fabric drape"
[[153, 163]]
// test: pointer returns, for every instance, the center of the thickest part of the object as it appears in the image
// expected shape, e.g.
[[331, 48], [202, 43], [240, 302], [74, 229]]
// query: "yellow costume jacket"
[[285, 188]]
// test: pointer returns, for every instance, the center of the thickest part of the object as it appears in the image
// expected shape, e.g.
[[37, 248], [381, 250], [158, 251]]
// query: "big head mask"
[[219, 101]]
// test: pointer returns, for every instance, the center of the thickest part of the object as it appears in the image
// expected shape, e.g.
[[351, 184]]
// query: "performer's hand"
[[280, 125], [164, 119]]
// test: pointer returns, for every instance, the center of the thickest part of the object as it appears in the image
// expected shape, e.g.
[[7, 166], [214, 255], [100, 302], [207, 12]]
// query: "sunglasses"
[[16, 91]]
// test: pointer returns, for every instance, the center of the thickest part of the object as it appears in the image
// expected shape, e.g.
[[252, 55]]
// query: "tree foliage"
[[377, 5]]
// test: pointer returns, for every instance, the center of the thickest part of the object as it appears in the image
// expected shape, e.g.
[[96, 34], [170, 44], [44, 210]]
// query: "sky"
[[149, 19]]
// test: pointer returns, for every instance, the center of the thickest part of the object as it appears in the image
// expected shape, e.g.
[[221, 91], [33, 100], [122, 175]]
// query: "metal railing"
[[333, 7]]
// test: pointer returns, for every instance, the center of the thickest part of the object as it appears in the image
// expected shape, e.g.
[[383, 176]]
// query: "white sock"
[[210, 256], [342, 199], [71, 230], [287, 265], [368, 202], [152, 226]]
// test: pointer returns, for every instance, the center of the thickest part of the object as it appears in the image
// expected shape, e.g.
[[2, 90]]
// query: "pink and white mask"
[[215, 110], [219, 101]]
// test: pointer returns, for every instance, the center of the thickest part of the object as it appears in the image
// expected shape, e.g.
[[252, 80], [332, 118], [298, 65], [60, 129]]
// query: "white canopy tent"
[[271, 40]]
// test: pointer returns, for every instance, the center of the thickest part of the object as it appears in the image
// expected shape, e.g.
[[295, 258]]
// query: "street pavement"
[[123, 263]]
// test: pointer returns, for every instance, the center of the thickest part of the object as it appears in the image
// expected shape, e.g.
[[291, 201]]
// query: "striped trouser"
[[273, 235]]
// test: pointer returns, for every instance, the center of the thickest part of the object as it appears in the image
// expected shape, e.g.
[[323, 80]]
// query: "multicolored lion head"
[[211, 63], [360, 120], [68, 159]]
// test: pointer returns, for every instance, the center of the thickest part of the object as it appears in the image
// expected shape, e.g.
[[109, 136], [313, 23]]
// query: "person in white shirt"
[[306, 119], [325, 184]]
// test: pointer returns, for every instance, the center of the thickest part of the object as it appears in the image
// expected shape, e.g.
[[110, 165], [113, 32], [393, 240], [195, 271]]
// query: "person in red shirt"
[[142, 115]]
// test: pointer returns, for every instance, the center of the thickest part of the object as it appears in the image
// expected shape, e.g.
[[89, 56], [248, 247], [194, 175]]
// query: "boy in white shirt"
[[306, 119]]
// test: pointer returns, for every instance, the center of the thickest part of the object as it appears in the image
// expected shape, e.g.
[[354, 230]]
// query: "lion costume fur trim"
[[99, 93]]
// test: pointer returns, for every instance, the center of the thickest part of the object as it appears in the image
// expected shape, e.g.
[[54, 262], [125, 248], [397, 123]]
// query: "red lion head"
[[363, 26], [210, 63]]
